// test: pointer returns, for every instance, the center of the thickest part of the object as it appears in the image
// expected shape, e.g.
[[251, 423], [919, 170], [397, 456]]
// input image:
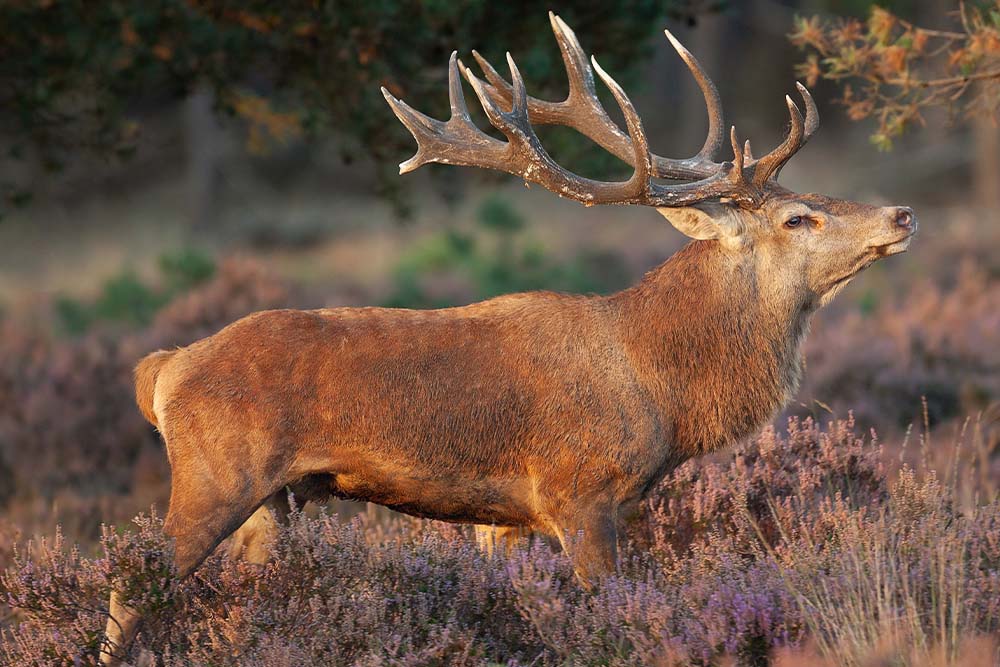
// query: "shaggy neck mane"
[[718, 356]]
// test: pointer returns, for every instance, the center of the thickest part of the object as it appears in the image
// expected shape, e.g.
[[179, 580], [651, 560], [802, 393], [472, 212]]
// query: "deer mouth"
[[893, 247], [901, 243]]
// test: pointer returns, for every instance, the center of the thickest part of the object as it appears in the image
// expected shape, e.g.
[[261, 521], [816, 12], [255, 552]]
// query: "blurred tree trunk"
[[986, 166], [205, 148]]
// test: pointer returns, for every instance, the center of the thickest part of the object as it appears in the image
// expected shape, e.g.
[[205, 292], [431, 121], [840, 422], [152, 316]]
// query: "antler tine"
[[419, 125], [493, 113], [578, 73], [408, 116], [800, 133], [580, 78], [768, 165], [713, 102], [812, 113], [737, 153], [519, 105], [456, 97], [641, 157]]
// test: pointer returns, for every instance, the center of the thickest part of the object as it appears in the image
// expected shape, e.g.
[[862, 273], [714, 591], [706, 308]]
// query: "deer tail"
[[145, 382]]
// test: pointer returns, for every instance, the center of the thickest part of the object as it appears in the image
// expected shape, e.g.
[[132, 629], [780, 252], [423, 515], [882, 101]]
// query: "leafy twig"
[[893, 70]]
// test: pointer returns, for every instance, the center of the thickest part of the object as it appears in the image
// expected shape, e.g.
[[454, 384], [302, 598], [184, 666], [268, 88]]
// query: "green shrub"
[[127, 300], [185, 269], [497, 257]]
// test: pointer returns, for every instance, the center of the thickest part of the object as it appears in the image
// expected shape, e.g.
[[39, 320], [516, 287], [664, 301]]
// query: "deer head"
[[810, 245]]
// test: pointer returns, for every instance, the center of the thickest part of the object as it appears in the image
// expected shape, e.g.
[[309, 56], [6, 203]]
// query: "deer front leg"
[[590, 537]]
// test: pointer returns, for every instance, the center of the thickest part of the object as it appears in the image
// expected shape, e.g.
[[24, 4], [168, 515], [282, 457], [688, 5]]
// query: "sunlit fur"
[[549, 412]]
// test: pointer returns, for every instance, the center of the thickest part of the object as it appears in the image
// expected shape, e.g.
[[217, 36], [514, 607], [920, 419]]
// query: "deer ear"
[[703, 222]]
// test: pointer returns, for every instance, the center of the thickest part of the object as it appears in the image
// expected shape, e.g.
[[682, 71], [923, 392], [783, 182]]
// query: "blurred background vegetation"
[[169, 167]]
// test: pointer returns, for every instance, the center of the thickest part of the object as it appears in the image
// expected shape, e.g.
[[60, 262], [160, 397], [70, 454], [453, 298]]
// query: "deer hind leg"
[[119, 631], [505, 538], [253, 540], [201, 515]]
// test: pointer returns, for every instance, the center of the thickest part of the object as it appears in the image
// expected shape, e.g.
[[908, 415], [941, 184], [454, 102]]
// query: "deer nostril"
[[904, 217]]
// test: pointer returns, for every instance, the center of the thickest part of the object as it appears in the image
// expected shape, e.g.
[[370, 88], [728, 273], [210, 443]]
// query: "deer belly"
[[442, 497]]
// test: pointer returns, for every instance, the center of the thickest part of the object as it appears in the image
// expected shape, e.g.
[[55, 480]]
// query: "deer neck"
[[718, 354]]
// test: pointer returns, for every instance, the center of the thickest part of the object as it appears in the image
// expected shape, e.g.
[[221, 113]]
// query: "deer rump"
[[495, 413]]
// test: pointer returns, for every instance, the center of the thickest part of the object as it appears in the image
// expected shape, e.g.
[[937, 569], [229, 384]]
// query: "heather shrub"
[[332, 595], [60, 597], [69, 404], [765, 487], [793, 543], [917, 574], [55, 594]]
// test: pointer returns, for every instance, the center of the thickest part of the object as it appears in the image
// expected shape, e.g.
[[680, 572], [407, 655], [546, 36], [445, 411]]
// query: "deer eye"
[[793, 221]]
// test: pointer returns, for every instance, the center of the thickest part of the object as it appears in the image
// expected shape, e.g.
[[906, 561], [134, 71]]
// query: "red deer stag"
[[551, 412]]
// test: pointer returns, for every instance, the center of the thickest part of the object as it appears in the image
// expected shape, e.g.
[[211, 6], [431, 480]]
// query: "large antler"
[[459, 141], [582, 109]]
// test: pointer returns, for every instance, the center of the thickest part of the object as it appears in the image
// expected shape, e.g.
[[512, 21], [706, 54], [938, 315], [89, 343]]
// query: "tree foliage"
[[79, 77], [893, 71]]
